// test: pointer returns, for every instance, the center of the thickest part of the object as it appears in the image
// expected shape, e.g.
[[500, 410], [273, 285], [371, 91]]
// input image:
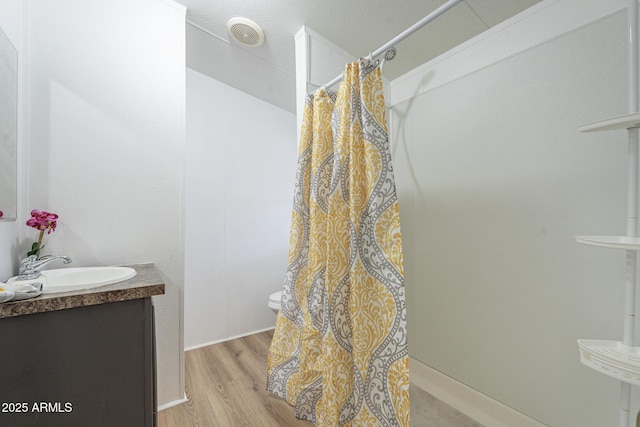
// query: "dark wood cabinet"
[[86, 366]]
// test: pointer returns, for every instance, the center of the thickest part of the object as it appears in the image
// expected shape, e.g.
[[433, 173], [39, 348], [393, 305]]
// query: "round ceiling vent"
[[245, 31]]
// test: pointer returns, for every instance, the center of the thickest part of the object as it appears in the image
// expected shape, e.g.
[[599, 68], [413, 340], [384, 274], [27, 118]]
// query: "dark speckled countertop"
[[146, 283]]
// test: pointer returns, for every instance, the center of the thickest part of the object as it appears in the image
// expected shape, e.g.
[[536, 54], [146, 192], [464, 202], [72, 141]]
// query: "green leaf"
[[35, 249]]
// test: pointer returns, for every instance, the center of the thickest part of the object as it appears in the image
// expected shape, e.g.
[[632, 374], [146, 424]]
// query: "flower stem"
[[40, 243]]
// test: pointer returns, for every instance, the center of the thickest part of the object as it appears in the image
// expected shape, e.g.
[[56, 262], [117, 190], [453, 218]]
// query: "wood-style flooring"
[[226, 387]]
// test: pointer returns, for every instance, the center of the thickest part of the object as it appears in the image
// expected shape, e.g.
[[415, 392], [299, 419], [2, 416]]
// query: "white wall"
[[240, 171], [12, 22], [106, 144], [494, 182]]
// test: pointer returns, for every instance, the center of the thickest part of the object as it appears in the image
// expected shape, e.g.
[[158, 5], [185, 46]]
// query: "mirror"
[[8, 127]]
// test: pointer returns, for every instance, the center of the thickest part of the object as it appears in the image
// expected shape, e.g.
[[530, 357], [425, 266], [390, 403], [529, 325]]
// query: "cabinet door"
[[87, 366]]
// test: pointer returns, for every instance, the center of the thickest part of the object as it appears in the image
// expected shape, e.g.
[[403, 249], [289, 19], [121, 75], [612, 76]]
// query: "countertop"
[[146, 283]]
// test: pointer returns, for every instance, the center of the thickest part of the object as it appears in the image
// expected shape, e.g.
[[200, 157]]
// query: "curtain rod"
[[406, 33]]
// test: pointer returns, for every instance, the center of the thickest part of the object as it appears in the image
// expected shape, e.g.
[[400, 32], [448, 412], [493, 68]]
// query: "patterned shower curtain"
[[339, 350]]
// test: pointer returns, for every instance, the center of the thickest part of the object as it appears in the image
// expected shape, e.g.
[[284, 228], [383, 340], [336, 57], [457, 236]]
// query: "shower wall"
[[494, 182]]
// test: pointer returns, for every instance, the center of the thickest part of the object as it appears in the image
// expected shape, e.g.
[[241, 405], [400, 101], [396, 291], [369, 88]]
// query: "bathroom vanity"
[[81, 358]]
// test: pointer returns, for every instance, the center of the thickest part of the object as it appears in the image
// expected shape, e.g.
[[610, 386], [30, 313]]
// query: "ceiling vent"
[[245, 32]]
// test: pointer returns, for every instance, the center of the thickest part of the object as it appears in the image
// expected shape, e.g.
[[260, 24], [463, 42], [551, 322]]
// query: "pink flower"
[[42, 221]]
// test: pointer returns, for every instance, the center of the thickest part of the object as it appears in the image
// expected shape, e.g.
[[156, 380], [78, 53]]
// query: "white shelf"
[[625, 121], [612, 358], [612, 242]]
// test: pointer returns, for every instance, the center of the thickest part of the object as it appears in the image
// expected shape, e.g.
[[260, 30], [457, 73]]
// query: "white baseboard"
[[174, 403], [193, 347], [482, 408]]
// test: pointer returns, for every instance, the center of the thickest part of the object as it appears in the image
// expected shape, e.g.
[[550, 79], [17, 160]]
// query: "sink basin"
[[78, 278]]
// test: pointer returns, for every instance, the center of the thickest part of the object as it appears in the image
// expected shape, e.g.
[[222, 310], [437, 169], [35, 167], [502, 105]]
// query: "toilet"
[[274, 301]]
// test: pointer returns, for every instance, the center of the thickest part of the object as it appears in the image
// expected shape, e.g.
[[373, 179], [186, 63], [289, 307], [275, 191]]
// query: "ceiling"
[[358, 26]]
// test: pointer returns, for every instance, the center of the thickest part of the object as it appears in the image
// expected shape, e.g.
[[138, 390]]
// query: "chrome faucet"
[[30, 266]]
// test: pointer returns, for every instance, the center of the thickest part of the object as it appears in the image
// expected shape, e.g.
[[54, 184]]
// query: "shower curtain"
[[339, 350]]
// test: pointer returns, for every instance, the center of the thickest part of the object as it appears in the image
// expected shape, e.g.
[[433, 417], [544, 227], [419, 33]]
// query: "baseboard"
[[473, 403], [174, 403], [193, 347]]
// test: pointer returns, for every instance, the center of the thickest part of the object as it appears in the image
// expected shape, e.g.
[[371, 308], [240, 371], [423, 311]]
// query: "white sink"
[[77, 278]]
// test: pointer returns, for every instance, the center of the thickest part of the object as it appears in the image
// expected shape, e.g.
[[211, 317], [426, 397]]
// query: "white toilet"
[[274, 301]]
